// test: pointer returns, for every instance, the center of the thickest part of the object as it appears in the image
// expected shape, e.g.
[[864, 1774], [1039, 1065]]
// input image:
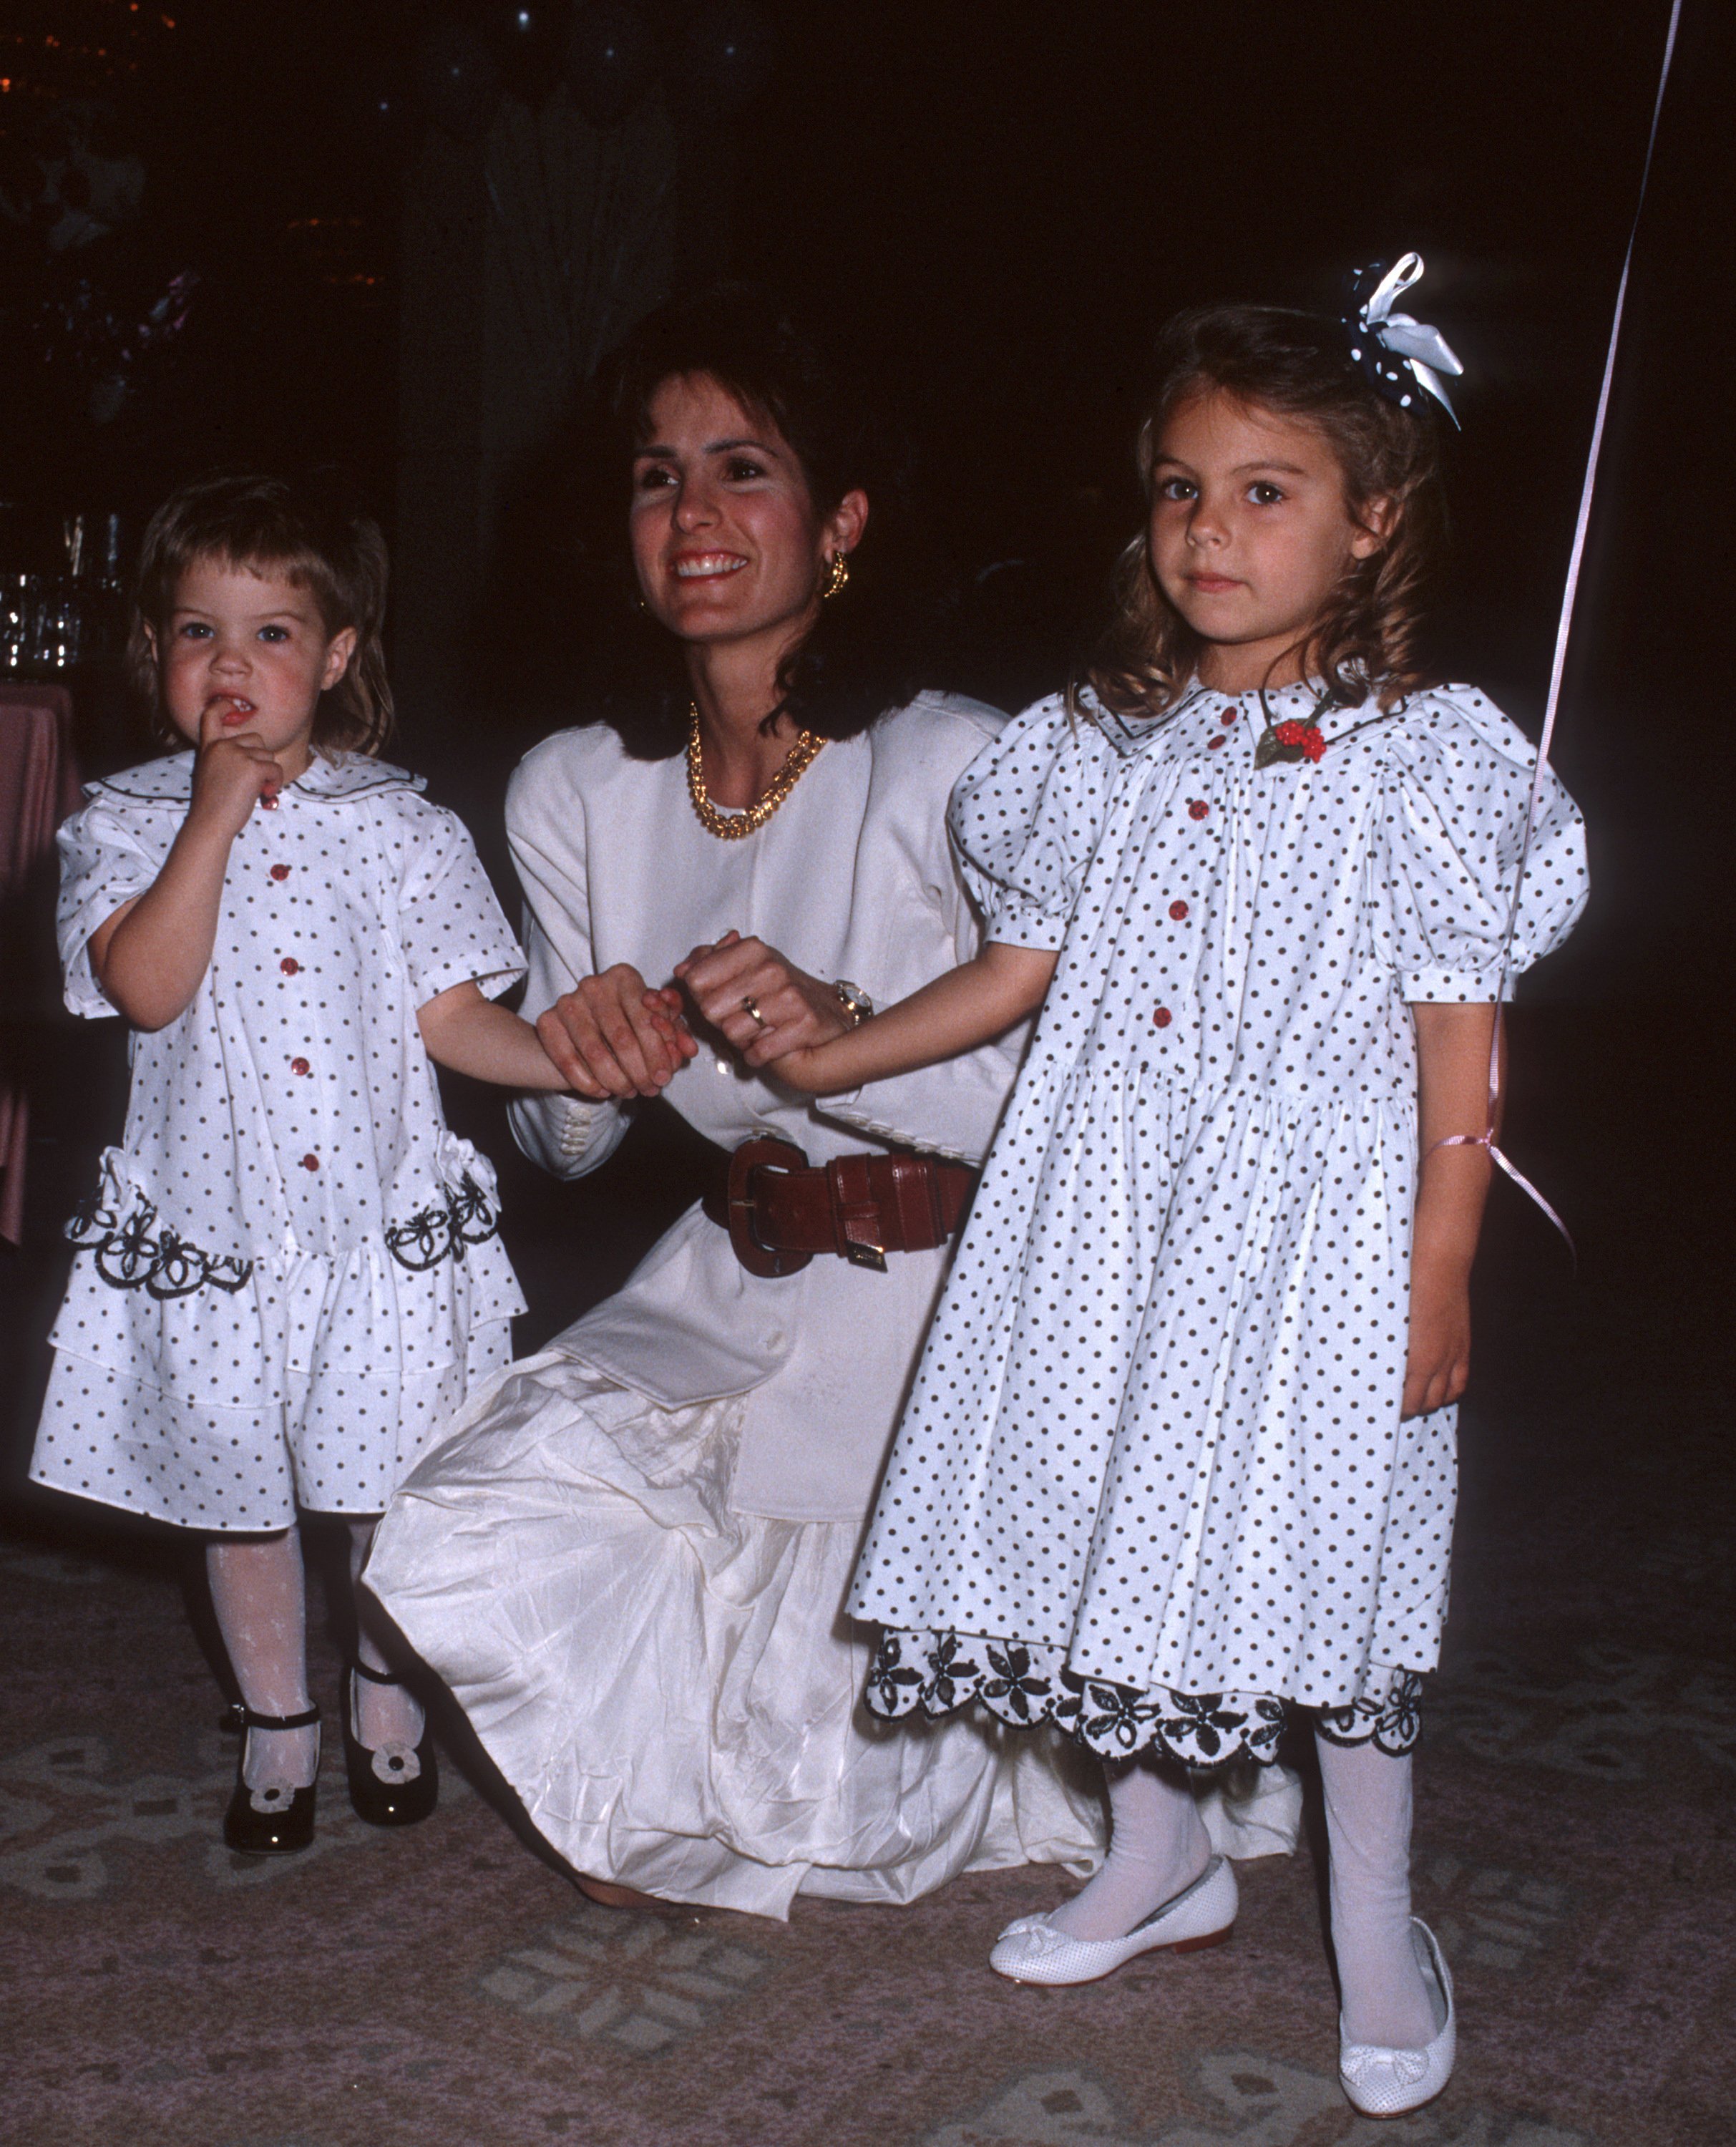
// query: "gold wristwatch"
[[854, 1001]]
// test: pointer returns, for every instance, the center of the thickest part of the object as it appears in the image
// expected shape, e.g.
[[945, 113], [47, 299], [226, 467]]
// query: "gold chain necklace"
[[732, 827]]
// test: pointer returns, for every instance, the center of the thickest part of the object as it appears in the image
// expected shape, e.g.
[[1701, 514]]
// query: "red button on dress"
[[1229, 715], [290, 966], [1162, 1018], [1215, 742], [1198, 809], [310, 1163], [280, 872], [1177, 910], [300, 1066]]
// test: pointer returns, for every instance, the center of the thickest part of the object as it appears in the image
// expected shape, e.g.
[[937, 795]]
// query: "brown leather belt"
[[780, 1212]]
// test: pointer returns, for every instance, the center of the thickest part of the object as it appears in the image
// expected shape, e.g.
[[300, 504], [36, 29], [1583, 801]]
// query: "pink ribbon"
[[1487, 1141], [1575, 561]]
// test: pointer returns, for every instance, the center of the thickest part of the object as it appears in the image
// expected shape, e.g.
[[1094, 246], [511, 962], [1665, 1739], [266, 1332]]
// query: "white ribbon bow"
[[1421, 347]]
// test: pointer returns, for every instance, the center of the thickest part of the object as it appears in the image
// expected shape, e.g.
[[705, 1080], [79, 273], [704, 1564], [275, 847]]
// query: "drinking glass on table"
[[17, 605]]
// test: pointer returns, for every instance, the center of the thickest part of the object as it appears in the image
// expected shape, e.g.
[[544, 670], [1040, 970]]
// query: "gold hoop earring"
[[837, 576]]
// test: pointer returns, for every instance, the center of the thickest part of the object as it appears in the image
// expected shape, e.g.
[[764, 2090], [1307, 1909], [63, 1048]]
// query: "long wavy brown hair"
[[1366, 640]]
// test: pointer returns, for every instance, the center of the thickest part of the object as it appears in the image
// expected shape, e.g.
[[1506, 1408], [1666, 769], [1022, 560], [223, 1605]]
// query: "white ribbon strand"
[[1576, 559]]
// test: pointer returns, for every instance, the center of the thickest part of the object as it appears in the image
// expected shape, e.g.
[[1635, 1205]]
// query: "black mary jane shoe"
[[382, 1801], [287, 1828]]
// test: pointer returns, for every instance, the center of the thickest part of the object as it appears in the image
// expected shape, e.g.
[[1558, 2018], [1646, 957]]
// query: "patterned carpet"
[[445, 1987]]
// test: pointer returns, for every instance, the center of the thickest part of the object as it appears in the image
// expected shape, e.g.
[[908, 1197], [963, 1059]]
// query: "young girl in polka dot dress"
[[289, 1274], [1181, 1450]]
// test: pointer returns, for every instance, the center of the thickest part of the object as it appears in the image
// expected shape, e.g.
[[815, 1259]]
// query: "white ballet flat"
[[1031, 1950], [1382, 2083]]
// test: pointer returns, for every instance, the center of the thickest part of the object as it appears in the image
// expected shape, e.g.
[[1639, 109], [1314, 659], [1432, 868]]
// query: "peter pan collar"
[[354, 775], [169, 781], [1130, 735]]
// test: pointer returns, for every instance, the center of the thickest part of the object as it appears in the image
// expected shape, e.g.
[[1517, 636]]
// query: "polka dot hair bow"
[[1395, 354]]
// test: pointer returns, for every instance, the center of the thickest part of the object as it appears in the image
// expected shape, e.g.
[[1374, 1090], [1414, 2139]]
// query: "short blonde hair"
[[266, 524]]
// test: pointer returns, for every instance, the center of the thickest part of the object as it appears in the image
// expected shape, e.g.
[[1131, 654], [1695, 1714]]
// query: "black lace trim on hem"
[[164, 1266], [1392, 1725], [135, 1255], [443, 1230], [936, 1674]]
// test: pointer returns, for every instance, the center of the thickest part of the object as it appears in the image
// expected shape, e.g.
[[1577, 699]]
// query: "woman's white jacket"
[[853, 878]]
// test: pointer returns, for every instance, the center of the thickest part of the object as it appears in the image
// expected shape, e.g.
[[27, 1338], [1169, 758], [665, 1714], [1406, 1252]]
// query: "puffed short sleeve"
[[1027, 815], [110, 853], [1450, 826], [450, 928]]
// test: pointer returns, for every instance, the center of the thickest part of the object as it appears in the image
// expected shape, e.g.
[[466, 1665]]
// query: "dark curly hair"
[[864, 655], [1298, 365], [266, 523]]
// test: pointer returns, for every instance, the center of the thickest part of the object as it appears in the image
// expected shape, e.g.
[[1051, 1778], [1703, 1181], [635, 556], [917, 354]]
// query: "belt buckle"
[[765, 1153], [856, 1213]]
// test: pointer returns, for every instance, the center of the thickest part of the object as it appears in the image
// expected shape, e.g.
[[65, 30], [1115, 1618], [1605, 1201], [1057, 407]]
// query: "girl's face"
[[727, 542], [248, 652], [1251, 532]]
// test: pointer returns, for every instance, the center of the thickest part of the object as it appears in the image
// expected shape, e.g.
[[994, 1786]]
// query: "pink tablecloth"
[[38, 788]]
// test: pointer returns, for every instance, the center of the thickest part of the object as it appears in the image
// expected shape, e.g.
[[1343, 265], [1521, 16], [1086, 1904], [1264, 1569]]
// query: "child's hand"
[[805, 1070], [802, 1068], [1437, 1362], [669, 1019], [232, 772]]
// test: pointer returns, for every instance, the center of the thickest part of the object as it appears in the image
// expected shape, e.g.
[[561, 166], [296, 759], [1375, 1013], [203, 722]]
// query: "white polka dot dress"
[[1154, 1451], [289, 1274]]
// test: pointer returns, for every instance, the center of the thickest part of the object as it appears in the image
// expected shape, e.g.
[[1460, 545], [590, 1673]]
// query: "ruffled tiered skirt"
[[227, 1393], [672, 1687]]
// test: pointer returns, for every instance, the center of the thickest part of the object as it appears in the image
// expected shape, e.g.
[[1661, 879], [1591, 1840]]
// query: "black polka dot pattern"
[[1154, 1439], [282, 1128]]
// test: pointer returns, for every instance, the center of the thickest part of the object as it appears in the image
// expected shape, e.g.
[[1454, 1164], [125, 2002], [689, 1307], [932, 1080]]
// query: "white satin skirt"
[[672, 1687]]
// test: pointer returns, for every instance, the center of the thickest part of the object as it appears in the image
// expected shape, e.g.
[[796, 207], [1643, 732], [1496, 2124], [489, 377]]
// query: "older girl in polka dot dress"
[[1181, 1450], [290, 1273]]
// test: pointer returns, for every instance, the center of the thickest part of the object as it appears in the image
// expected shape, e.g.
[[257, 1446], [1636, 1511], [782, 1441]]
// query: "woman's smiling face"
[[727, 539]]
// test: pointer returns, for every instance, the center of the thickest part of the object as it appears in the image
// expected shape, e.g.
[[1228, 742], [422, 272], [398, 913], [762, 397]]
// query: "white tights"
[[1368, 1834], [258, 1592], [1158, 1847]]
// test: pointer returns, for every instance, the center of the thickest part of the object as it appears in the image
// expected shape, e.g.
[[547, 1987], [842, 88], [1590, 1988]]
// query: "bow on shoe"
[[1365, 2065], [1391, 349]]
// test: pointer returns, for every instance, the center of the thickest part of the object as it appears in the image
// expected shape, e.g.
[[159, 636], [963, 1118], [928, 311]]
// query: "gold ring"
[[753, 1014]]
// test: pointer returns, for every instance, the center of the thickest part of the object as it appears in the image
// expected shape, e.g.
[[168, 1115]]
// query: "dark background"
[[996, 207]]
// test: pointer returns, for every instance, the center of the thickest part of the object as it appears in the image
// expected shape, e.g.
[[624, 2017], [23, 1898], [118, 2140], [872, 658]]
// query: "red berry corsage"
[[1296, 737]]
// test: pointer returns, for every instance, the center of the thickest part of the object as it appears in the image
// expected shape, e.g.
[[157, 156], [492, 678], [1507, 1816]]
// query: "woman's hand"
[[611, 1036], [1438, 1361], [796, 1011]]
